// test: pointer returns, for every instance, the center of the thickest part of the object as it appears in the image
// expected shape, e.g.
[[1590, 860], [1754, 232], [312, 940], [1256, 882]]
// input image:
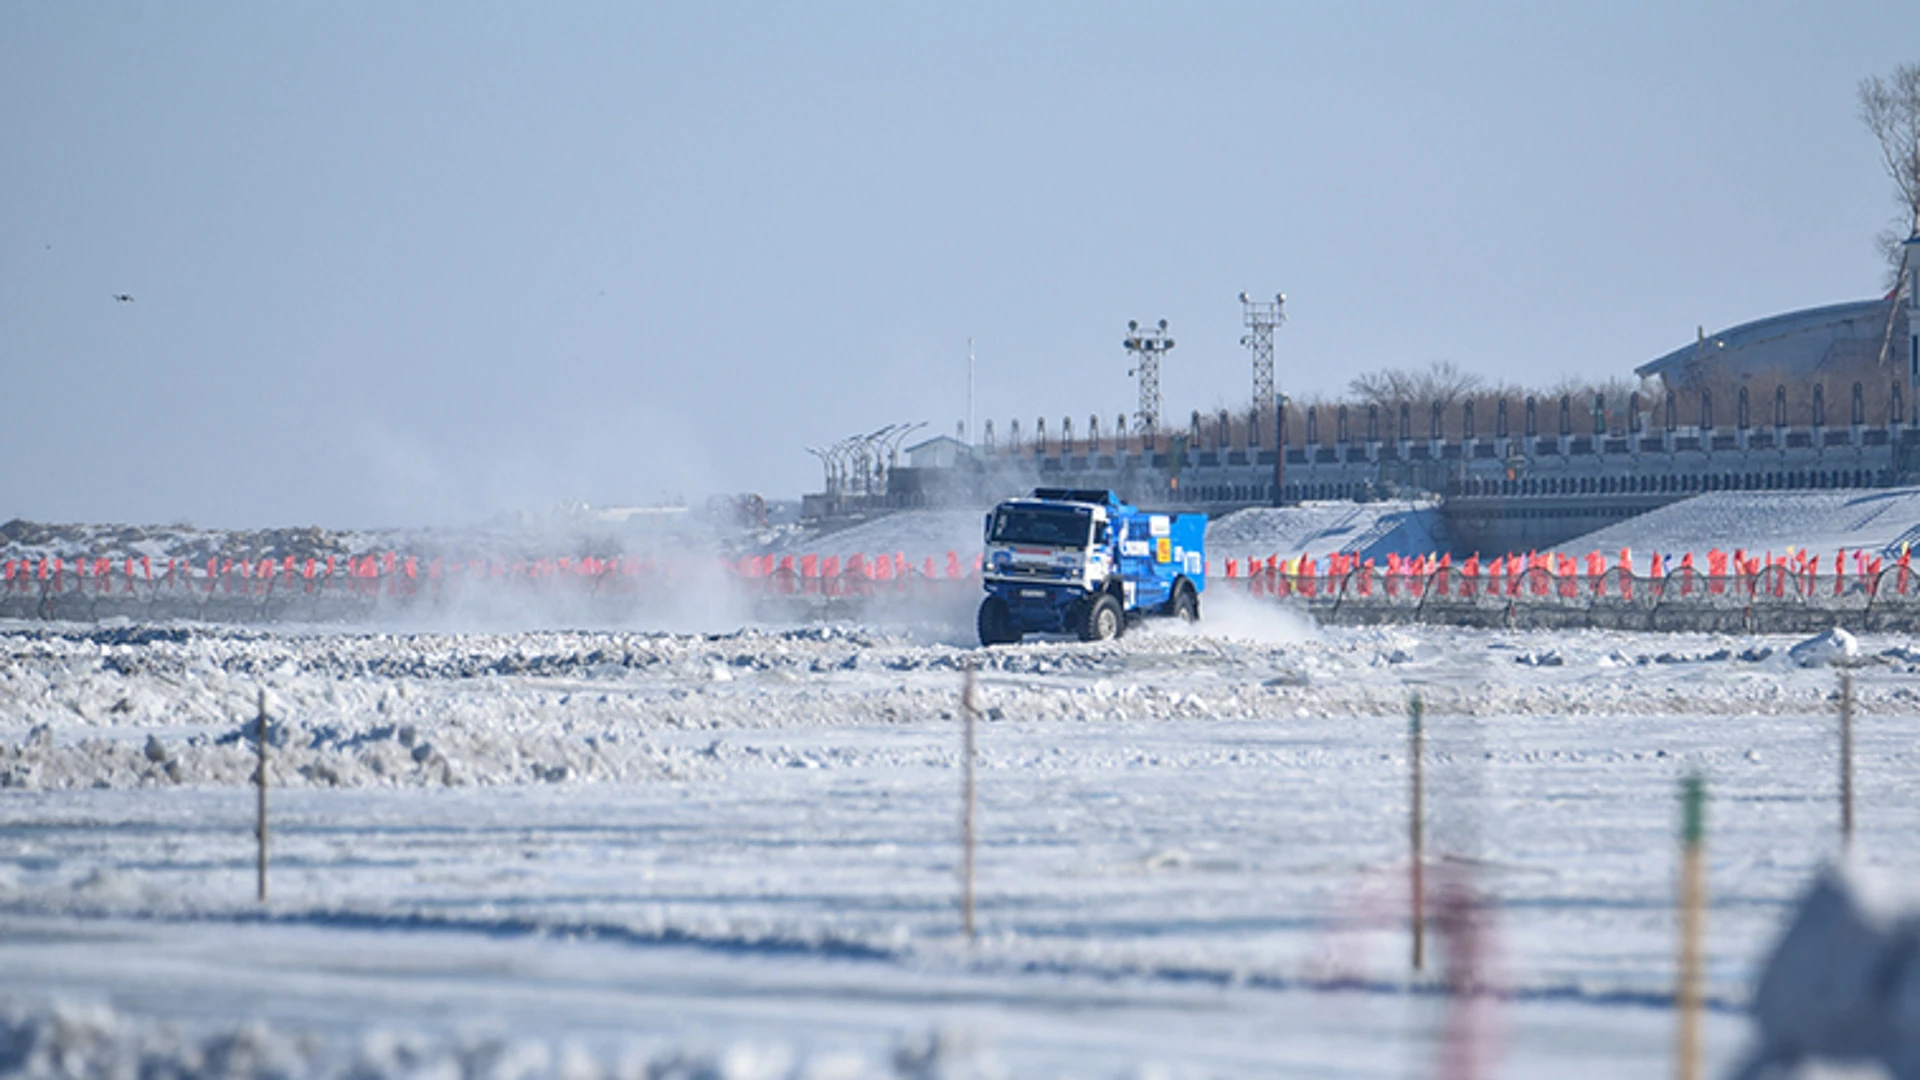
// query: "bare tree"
[[1442, 382], [1891, 110]]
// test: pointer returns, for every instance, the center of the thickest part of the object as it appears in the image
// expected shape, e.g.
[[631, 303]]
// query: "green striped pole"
[[1686, 998]]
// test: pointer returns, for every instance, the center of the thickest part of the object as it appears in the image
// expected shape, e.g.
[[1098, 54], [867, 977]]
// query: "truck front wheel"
[[1186, 603], [1101, 620], [995, 623]]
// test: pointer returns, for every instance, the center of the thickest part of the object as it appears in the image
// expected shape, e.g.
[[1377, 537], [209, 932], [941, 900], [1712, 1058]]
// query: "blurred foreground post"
[[1415, 751], [1686, 998], [970, 705], [1846, 762], [260, 781]]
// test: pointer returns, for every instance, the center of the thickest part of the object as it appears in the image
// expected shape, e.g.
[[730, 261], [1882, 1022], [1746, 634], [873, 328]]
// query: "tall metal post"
[[1693, 901], [1846, 761], [1146, 348], [970, 704], [971, 439], [1261, 318], [1416, 819], [260, 779]]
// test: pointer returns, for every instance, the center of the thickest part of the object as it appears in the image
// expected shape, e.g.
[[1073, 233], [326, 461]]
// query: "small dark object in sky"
[[125, 298]]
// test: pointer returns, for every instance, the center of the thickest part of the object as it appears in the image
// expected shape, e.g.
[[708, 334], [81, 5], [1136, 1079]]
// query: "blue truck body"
[[1075, 561]]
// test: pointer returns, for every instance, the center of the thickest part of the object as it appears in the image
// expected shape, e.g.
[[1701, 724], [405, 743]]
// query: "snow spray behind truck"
[[1078, 561]]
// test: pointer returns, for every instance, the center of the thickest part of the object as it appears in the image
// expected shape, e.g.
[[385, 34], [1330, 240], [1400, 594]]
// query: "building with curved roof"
[[1798, 344]]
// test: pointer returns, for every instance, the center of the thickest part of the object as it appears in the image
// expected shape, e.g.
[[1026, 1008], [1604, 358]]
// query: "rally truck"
[[1072, 561]]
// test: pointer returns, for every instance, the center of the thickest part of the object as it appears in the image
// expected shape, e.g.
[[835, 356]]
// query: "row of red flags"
[[391, 564], [1303, 575], [872, 567]]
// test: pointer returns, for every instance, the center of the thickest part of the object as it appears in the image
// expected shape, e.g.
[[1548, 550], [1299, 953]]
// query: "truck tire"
[[995, 623], [1185, 604], [1101, 619]]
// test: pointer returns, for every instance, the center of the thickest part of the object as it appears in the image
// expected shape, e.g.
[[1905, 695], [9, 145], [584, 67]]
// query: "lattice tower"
[[1261, 319], [1146, 348]]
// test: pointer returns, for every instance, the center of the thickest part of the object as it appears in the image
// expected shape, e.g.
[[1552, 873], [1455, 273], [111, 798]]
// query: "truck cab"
[[1082, 562]]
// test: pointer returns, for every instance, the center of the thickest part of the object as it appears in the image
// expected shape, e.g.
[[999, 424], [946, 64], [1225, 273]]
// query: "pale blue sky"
[[416, 263]]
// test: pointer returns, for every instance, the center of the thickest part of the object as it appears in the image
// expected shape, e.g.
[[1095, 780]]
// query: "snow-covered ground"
[[1880, 521], [916, 534], [1372, 530], [564, 852]]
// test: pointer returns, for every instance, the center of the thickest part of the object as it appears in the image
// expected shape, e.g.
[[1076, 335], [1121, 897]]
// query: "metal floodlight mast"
[[1146, 348], [826, 466], [861, 464], [842, 455], [1261, 319], [896, 434]]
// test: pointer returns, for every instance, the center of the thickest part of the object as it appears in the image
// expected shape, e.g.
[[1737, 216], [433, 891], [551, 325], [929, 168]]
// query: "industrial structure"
[[1262, 319], [1801, 400], [1147, 348]]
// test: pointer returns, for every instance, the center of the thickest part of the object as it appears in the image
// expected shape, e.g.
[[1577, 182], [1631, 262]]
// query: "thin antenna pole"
[[1846, 761], [1416, 739], [970, 704], [970, 437], [260, 780]]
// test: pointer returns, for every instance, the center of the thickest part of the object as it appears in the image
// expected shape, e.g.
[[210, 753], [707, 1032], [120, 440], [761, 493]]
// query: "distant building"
[[1822, 342], [940, 452], [1814, 399]]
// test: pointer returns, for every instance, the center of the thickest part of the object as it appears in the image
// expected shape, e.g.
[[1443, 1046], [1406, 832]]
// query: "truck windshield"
[[1039, 525]]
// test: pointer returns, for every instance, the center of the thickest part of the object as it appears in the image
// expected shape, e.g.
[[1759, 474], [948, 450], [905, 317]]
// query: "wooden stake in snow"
[[1846, 761], [1693, 887], [970, 705], [260, 781], [1418, 902]]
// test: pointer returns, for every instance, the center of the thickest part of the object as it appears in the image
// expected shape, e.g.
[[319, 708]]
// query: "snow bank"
[[136, 707], [67, 1040], [917, 534], [1372, 530], [1880, 521]]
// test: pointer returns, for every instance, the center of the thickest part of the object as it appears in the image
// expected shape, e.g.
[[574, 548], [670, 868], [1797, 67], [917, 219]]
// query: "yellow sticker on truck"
[[1163, 549]]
